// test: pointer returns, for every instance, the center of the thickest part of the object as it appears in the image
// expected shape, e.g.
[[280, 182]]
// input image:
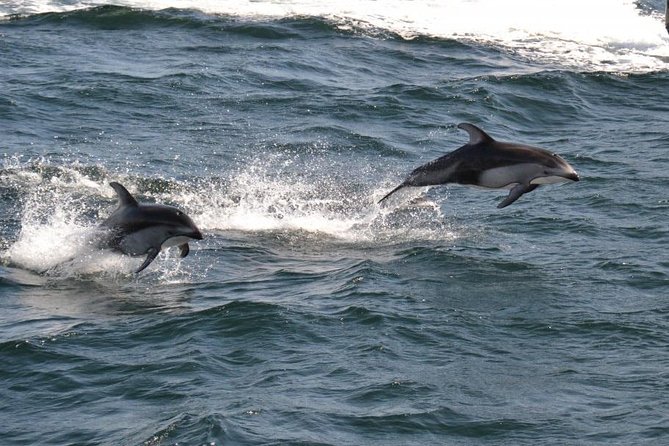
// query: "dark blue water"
[[309, 314]]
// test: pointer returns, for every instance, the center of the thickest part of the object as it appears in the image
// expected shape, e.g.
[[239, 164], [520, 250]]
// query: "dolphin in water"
[[492, 164], [138, 229]]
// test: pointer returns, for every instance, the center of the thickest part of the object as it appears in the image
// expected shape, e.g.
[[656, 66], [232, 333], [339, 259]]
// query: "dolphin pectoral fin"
[[515, 194], [391, 192], [184, 250], [152, 254]]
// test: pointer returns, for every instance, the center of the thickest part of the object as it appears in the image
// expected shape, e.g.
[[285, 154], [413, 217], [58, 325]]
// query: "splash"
[[305, 196], [597, 35], [60, 211], [55, 238], [295, 193]]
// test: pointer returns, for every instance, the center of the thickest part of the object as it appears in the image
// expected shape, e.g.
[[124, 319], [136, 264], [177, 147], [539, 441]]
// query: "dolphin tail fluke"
[[391, 192], [153, 253]]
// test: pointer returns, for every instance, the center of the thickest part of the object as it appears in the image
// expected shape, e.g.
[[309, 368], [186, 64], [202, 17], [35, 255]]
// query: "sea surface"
[[309, 314]]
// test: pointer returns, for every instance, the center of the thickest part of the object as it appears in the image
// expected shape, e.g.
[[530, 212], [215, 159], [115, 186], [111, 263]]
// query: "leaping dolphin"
[[487, 163], [138, 229]]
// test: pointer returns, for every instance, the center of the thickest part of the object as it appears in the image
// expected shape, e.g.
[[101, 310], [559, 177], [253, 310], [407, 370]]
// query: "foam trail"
[[597, 35], [261, 198], [61, 209]]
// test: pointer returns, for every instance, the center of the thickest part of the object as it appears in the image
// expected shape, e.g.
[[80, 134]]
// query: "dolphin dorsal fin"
[[124, 197], [476, 135]]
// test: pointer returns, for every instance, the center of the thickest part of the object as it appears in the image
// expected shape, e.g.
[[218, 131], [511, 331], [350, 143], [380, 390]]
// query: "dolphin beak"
[[573, 176], [196, 234]]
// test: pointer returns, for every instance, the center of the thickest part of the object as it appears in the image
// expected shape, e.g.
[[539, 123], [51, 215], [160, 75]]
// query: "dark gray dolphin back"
[[125, 216], [437, 171]]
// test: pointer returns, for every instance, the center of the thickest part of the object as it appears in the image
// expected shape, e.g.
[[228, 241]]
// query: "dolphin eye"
[[179, 213]]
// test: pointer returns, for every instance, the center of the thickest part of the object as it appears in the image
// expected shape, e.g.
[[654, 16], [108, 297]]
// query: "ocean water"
[[309, 315]]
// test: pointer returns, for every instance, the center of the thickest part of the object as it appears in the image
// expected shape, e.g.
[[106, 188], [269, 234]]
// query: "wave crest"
[[598, 35]]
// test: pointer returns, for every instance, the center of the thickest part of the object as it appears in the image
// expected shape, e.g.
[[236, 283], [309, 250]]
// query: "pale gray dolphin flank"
[[487, 163], [138, 229]]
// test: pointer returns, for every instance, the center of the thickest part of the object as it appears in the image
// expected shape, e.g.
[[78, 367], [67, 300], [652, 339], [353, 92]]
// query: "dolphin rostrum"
[[487, 163], [138, 229]]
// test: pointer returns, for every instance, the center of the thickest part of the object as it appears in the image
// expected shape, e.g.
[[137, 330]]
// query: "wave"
[[598, 35]]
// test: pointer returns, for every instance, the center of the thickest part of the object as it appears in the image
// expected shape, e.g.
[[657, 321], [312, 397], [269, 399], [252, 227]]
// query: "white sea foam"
[[53, 238], [261, 197], [60, 213], [593, 35]]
